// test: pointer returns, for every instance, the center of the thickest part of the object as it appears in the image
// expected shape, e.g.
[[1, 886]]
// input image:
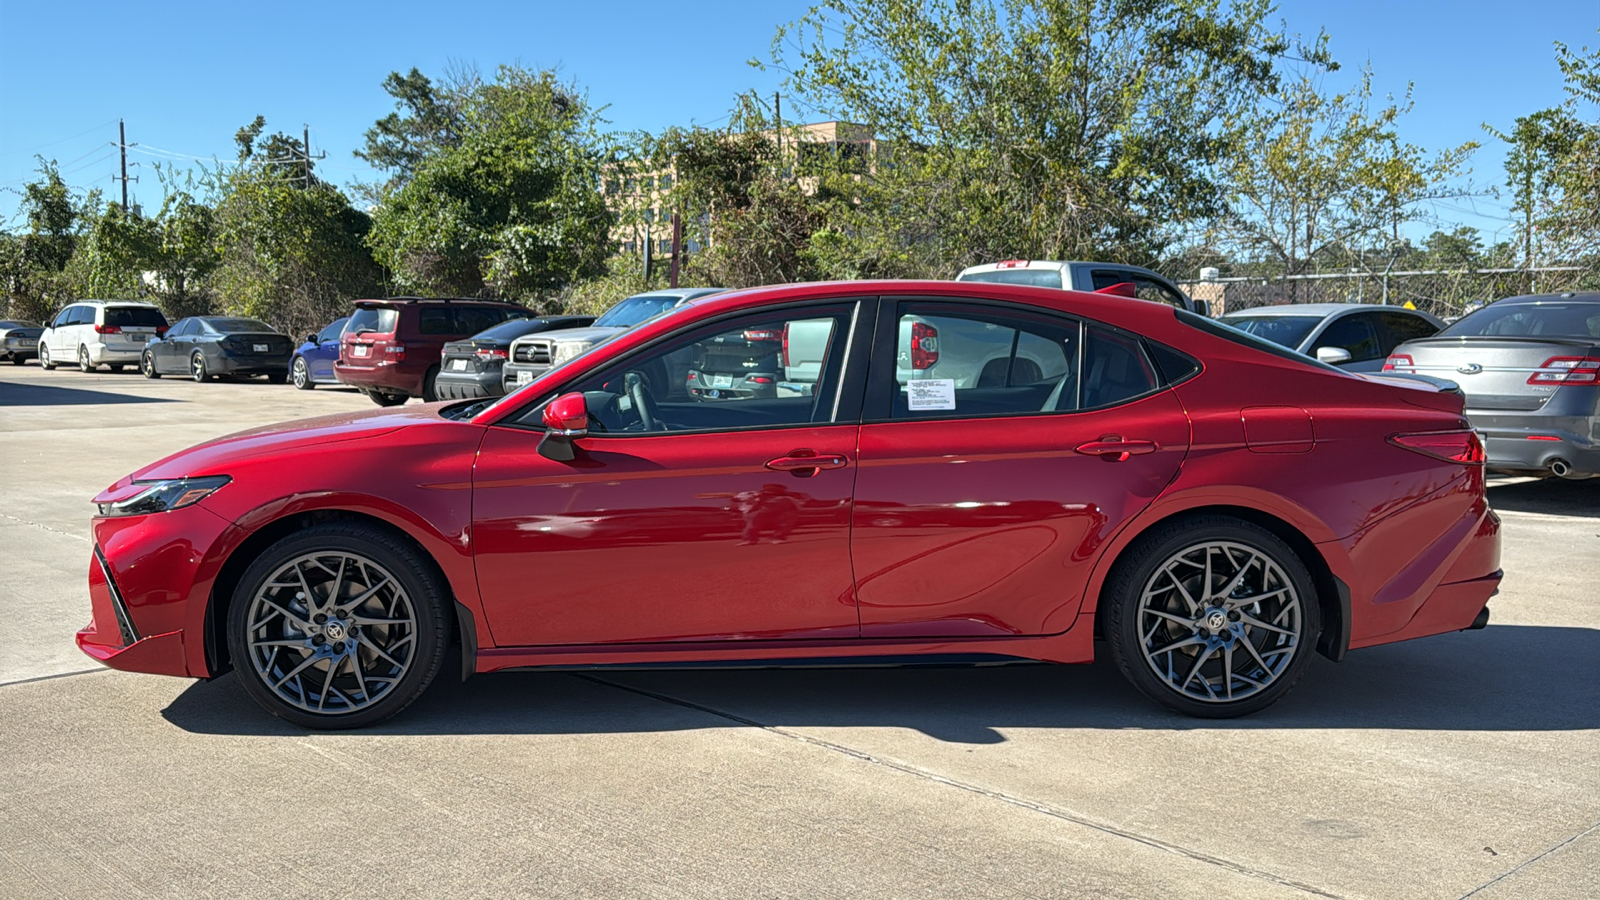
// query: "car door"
[[321, 360], [172, 353], [980, 511], [60, 333], [1356, 334], [689, 519]]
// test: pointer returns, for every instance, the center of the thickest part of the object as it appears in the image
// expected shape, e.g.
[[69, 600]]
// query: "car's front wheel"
[[338, 626], [1212, 616], [44, 357], [301, 374], [147, 365]]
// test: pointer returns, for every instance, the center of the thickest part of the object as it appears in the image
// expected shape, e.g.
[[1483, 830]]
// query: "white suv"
[[93, 333]]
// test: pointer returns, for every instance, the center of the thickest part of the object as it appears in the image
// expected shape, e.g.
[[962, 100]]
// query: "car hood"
[[591, 334], [214, 456]]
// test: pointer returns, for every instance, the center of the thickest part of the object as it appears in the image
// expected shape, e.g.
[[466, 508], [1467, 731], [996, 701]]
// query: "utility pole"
[[306, 157], [677, 249], [777, 113], [122, 145]]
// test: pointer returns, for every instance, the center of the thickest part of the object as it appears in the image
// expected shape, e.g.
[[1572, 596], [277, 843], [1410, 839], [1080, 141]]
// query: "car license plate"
[[359, 350], [458, 365], [524, 377], [29, 342], [722, 381], [258, 348], [139, 338]]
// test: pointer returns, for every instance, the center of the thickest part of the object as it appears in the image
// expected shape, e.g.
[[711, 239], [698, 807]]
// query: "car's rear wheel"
[[1212, 616], [44, 357], [430, 390], [276, 377], [301, 374], [197, 367], [84, 364], [338, 626], [18, 359], [147, 365], [383, 399]]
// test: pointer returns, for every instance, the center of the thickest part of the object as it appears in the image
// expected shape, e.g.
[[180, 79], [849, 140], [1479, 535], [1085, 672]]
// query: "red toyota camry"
[[915, 470]]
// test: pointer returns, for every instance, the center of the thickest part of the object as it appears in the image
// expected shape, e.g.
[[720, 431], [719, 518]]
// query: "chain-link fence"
[[1441, 292]]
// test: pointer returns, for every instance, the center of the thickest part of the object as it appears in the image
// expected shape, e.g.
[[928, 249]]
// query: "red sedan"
[[975, 472]]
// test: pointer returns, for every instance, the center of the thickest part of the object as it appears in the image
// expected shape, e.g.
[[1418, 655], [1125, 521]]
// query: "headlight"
[[164, 495], [568, 350]]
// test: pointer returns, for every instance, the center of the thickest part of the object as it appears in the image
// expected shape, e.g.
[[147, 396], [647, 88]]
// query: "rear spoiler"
[[1421, 390]]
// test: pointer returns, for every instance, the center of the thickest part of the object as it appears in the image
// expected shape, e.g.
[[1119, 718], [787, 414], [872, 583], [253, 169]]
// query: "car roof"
[[681, 293], [1319, 310], [115, 303], [1044, 264], [404, 301], [1566, 297]]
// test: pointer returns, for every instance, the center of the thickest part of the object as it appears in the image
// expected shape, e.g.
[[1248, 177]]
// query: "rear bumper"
[[468, 385], [249, 365], [1537, 449], [100, 354], [387, 378]]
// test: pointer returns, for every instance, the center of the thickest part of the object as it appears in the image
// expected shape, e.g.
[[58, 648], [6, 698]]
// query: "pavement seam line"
[[1528, 862], [992, 794], [52, 677], [42, 527]]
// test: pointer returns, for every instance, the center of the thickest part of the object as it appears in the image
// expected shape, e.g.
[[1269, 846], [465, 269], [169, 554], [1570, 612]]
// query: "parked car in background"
[[1084, 276], [204, 347], [1163, 498], [93, 333], [390, 348], [19, 340], [535, 355], [312, 363], [1356, 337], [471, 368], [1530, 369]]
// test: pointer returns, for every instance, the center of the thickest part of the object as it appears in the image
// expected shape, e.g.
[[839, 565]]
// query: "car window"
[[725, 377], [1404, 327], [969, 363], [1104, 278], [379, 319], [436, 320], [1287, 331], [1353, 334], [135, 317], [636, 309], [473, 319], [182, 328], [1149, 289], [1050, 278], [235, 325], [510, 330], [1115, 369], [332, 332], [1574, 320], [63, 317], [82, 315]]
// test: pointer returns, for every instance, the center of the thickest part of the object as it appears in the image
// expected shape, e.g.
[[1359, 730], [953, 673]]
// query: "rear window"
[[1558, 320], [1050, 278], [135, 317], [1287, 331], [634, 310], [510, 331], [8, 323], [235, 325], [474, 319], [380, 319]]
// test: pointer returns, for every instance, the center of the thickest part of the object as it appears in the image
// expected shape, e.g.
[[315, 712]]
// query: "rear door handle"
[[1113, 448], [806, 463]]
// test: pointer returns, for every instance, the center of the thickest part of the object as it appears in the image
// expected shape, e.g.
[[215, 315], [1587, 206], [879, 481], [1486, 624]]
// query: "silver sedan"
[[1356, 337]]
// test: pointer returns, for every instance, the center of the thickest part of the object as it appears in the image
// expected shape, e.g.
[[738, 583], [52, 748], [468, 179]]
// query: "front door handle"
[[805, 463], [1112, 448]]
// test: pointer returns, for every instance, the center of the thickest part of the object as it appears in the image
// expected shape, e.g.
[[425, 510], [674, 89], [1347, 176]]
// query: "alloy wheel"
[[302, 378], [197, 366], [331, 633], [1220, 621], [83, 360]]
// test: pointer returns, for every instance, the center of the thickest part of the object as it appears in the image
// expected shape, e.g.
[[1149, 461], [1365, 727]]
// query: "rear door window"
[[436, 320], [1353, 334], [81, 315], [969, 362]]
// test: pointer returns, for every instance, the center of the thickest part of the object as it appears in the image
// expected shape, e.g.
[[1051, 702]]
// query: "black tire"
[[425, 604], [84, 365], [44, 357], [197, 367], [383, 399], [1152, 563], [277, 377], [430, 391], [147, 365], [116, 367], [17, 359], [301, 374]]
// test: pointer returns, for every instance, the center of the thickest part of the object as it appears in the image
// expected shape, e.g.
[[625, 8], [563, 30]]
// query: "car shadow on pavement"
[[1552, 496], [15, 394], [1503, 678]]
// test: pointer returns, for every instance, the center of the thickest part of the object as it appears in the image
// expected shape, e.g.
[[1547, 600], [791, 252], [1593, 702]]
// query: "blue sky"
[[185, 75]]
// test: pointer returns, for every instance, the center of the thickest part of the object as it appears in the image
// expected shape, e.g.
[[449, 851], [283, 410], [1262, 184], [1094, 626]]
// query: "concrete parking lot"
[[1462, 765]]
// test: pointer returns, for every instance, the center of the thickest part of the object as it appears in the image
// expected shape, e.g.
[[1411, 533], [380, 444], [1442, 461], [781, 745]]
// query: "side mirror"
[[566, 418], [1333, 355], [311, 339]]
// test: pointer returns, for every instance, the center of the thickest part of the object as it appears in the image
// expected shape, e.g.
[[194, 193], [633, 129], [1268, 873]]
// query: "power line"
[[59, 141]]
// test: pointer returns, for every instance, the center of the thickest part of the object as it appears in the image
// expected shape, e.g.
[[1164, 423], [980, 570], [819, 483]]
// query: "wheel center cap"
[[335, 630], [1217, 621]]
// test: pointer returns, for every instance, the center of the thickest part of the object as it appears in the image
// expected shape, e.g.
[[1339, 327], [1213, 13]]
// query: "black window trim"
[[848, 396], [878, 409]]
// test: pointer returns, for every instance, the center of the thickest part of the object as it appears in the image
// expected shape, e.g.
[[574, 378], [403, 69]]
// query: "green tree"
[[1035, 128], [427, 118], [514, 209], [32, 264]]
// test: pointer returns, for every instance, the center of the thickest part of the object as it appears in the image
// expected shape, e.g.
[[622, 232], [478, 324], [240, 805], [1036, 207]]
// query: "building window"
[[666, 182], [649, 215]]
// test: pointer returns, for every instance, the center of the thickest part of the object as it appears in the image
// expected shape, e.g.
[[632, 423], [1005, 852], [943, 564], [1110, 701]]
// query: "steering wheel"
[[649, 416]]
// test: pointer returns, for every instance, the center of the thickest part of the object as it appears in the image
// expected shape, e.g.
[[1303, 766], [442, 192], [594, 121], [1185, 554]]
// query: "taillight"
[[762, 334], [1396, 361], [1568, 370], [1454, 446], [760, 379], [396, 351], [494, 354], [924, 345], [161, 331], [108, 329]]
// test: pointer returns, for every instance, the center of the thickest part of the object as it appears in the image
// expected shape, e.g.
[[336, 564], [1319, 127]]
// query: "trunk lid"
[[1493, 372]]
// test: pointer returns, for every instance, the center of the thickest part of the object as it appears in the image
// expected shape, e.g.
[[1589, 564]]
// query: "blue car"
[[312, 363]]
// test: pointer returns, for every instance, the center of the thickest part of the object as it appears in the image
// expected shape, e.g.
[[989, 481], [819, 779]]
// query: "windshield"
[[634, 310], [1050, 278], [135, 317], [1289, 331], [379, 319], [1558, 320], [231, 325]]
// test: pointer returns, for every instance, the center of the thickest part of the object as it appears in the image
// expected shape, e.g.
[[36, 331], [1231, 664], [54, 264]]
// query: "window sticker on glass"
[[931, 393]]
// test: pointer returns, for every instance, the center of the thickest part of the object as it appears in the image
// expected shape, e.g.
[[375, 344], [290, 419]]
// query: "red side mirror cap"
[[567, 415], [1121, 289]]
